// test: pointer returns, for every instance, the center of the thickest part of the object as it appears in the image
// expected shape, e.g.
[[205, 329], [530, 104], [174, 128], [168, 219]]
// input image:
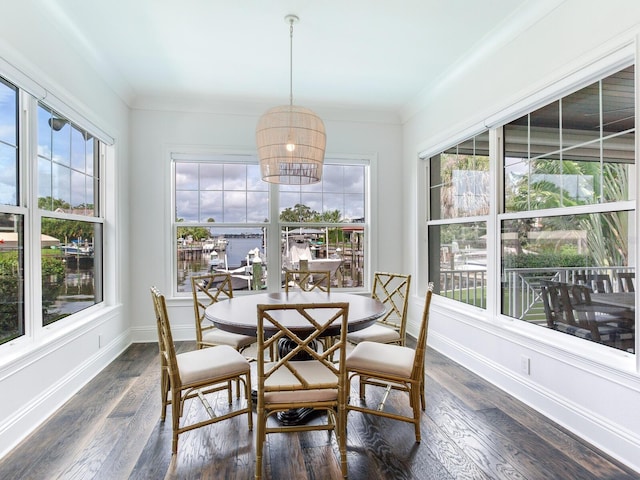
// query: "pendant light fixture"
[[291, 139]]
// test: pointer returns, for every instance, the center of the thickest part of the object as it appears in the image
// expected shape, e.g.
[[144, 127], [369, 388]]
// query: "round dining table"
[[240, 314]]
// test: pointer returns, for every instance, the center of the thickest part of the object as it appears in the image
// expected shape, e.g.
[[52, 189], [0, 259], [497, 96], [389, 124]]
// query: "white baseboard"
[[614, 440], [25, 420], [149, 334]]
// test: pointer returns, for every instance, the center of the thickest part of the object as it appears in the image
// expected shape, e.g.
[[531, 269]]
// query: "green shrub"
[[546, 260]]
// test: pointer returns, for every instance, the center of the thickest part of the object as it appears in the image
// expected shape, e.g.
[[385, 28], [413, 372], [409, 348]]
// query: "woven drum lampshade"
[[291, 143]]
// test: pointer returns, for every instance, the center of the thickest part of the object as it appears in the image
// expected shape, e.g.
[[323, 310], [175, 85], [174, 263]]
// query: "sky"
[[235, 193]]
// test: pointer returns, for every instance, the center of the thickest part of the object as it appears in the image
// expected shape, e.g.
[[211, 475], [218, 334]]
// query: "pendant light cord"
[[291, 61]]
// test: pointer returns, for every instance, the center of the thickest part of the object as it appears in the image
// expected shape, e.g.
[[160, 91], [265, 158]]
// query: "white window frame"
[[273, 227]]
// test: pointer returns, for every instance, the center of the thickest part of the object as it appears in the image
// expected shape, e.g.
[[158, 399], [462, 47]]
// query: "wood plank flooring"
[[471, 430]]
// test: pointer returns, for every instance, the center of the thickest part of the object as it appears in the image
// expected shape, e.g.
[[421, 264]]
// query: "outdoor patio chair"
[[626, 281]]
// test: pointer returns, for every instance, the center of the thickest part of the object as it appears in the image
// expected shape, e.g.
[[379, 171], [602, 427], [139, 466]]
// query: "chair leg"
[[260, 439], [415, 404], [176, 413], [247, 395], [164, 392], [342, 437]]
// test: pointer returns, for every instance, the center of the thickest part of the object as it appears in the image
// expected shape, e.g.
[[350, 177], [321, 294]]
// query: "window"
[[568, 174], [12, 321], [565, 223], [457, 227], [57, 226], [224, 221], [71, 228]]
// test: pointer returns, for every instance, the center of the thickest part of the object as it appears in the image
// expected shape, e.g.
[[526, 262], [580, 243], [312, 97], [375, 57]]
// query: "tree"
[[197, 233], [299, 213], [607, 233]]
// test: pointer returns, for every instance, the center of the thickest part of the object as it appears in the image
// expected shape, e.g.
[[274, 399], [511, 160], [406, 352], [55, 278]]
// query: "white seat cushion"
[[210, 363], [216, 336], [313, 372], [382, 358], [374, 333]]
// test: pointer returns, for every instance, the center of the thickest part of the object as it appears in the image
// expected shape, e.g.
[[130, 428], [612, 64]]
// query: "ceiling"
[[365, 54]]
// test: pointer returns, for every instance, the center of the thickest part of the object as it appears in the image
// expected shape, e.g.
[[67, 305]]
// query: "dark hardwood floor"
[[111, 430]]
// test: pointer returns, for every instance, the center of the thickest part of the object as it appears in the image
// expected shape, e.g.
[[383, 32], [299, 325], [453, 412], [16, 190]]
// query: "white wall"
[[593, 392], [38, 374], [154, 131]]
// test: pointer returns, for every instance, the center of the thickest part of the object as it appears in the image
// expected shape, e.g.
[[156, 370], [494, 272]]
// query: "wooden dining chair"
[[392, 289], [207, 290], [307, 280], [196, 374], [291, 383], [393, 367]]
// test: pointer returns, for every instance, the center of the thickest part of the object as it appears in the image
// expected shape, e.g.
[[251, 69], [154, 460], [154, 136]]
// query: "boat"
[[215, 261], [215, 245], [75, 249], [298, 251]]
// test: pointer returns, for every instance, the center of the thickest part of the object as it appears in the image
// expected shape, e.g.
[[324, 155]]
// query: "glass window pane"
[[618, 105], [92, 207], [254, 179], [61, 187], [339, 250], [8, 174], [186, 206], [460, 180], [568, 250], [574, 174], [258, 203], [544, 130], [8, 114], [581, 116], [354, 179], [211, 207], [61, 140], [458, 261], [78, 154], [89, 153], [45, 132], [45, 192], [186, 176], [235, 207], [618, 167], [354, 208], [12, 295], [202, 250], [78, 193], [235, 177], [288, 201], [313, 201], [8, 144], [71, 267], [210, 175], [333, 178]]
